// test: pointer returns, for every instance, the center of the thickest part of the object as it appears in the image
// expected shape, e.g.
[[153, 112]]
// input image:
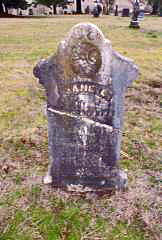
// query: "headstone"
[[85, 83], [96, 12], [99, 8], [125, 12], [30, 11], [87, 10], [116, 10], [136, 10], [141, 15]]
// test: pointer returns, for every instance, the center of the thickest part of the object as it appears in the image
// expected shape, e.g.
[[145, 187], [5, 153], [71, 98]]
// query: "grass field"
[[30, 210]]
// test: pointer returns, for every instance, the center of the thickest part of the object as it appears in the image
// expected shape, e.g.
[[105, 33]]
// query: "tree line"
[[23, 5], [7, 4]]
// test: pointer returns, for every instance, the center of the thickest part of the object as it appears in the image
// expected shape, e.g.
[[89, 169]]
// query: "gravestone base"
[[116, 179], [134, 24]]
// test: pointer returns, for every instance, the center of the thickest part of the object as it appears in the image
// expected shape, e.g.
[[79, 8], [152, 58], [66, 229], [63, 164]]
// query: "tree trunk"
[[6, 8], [54, 9], [1, 8], [78, 7], [155, 9], [107, 9], [160, 8]]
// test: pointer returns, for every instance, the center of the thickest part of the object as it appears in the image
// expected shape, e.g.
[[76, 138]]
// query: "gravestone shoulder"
[[123, 71]]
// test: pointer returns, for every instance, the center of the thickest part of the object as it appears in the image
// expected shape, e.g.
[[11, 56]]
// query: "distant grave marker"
[[85, 83], [125, 12], [136, 10], [97, 10], [141, 15]]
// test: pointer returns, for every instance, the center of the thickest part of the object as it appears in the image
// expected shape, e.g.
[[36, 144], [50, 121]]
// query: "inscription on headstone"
[[85, 83]]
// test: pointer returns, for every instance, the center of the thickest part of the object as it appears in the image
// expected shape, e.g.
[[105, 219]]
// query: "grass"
[[30, 210]]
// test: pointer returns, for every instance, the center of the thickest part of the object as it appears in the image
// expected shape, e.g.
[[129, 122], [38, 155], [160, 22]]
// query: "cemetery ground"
[[30, 210]]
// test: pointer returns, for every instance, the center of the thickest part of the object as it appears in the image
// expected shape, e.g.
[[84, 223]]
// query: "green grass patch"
[[123, 231]]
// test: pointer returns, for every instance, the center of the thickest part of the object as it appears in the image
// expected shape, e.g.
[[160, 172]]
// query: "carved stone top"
[[84, 56], [86, 77]]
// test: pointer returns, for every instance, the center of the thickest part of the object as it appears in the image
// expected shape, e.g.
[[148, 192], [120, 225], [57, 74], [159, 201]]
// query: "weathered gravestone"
[[96, 11], [136, 10], [141, 14], [125, 12], [85, 83]]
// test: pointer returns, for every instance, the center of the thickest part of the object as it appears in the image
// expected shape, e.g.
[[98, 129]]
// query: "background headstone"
[[141, 15], [136, 10], [97, 10], [125, 12], [85, 83]]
